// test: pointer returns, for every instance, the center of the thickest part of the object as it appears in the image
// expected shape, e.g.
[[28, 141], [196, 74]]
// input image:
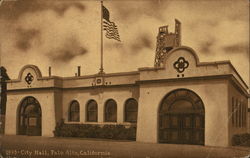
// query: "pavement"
[[46, 147]]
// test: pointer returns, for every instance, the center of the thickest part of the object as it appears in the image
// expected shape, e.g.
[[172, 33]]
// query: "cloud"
[[130, 11], [14, 10], [236, 48], [143, 41], [138, 45], [66, 55], [25, 37], [67, 51], [215, 28], [206, 47]]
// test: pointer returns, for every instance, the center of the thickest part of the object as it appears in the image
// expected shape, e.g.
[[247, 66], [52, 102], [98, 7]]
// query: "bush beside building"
[[2, 121], [117, 132], [241, 139]]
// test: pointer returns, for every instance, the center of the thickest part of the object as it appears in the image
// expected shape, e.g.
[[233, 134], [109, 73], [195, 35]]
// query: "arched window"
[[74, 111], [131, 110], [92, 111], [110, 111]]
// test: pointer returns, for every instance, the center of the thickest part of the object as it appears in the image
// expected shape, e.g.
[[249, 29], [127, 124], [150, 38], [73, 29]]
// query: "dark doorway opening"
[[29, 120], [182, 118]]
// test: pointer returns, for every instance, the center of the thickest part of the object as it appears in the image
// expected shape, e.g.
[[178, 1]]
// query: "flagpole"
[[101, 67]]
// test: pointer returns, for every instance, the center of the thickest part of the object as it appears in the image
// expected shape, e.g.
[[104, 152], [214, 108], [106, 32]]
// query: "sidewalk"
[[44, 147]]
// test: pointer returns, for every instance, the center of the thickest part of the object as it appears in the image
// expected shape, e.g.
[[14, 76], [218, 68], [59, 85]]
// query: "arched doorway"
[[29, 118], [181, 118]]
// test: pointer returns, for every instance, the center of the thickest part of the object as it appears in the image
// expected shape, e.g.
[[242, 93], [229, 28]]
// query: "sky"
[[65, 34]]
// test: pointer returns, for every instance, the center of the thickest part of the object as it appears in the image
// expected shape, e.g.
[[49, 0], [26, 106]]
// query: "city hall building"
[[180, 100]]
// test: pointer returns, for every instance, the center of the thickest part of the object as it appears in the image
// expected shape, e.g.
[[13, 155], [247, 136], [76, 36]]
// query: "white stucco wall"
[[212, 94], [46, 101], [242, 99], [100, 95]]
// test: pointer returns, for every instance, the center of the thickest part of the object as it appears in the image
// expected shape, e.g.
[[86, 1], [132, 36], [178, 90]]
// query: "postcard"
[[124, 79]]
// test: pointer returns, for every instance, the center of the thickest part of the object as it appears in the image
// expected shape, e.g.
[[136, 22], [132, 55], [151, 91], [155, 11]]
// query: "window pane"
[[32, 121], [165, 122], [111, 111], [174, 121], [75, 106], [131, 117], [74, 111], [30, 109], [92, 111], [233, 117], [244, 113], [237, 113], [197, 122], [187, 122], [131, 110], [182, 93], [92, 116], [181, 106]]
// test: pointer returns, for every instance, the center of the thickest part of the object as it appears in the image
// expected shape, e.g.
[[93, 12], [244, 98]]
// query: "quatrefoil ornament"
[[29, 78], [181, 64]]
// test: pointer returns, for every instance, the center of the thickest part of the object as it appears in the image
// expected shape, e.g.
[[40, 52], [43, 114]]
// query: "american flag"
[[109, 27]]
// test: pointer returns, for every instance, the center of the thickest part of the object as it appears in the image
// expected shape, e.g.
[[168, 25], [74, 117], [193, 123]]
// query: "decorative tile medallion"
[[181, 64], [29, 78]]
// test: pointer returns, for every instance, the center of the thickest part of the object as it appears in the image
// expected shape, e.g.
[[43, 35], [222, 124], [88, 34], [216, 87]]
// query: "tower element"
[[166, 41]]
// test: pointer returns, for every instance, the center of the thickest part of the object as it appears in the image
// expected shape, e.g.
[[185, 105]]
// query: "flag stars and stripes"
[[110, 27]]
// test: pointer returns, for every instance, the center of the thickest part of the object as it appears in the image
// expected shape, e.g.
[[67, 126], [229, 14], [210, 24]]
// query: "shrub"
[[118, 132], [241, 139], [2, 123]]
